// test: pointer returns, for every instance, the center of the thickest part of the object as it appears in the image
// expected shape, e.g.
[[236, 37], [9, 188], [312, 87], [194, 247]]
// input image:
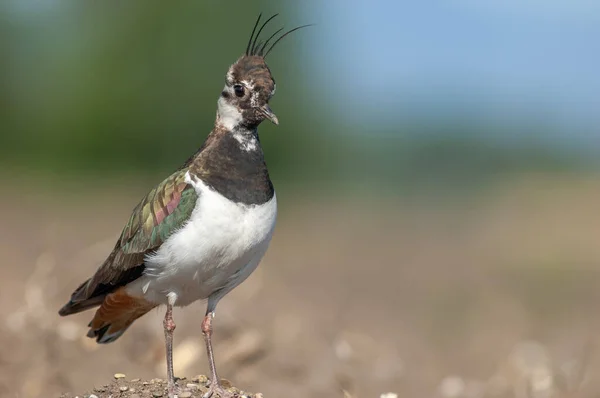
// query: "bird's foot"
[[215, 390]]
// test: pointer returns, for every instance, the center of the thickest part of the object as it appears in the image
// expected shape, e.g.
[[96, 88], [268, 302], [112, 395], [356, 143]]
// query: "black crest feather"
[[281, 37], [252, 34], [257, 47]]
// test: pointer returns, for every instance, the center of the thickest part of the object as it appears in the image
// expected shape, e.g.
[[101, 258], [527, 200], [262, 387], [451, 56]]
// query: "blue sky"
[[494, 59]]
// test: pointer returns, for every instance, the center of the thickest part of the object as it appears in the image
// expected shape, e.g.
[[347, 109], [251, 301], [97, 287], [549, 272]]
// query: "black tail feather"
[[73, 307], [79, 303]]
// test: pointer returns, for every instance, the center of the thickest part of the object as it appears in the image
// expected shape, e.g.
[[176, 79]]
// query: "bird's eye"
[[239, 90]]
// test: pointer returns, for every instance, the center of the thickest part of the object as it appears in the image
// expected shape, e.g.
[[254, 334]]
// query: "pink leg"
[[169, 326], [215, 384]]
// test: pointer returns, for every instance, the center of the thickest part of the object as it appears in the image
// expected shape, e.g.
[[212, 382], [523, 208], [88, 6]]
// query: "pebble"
[[93, 396], [185, 394], [157, 394], [119, 376], [201, 379], [135, 380], [100, 389], [156, 381], [192, 386], [123, 388]]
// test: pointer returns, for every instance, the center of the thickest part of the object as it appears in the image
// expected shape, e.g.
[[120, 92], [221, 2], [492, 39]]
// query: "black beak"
[[268, 114]]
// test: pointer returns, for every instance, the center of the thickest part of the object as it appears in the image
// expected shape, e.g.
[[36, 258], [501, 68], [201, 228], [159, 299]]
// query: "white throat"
[[229, 116]]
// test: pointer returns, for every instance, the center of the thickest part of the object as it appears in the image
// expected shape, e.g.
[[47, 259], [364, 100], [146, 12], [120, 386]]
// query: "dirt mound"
[[155, 388]]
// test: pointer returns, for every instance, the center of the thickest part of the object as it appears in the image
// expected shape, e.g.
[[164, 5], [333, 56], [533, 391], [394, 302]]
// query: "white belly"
[[217, 249]]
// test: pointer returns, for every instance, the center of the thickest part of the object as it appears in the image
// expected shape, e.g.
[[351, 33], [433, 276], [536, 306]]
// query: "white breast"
[[217, 248]]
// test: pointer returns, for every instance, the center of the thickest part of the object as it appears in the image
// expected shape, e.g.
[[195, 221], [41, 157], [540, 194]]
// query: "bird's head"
[[249, 84]]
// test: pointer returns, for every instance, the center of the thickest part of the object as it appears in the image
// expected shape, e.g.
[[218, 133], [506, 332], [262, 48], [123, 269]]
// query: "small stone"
[[135, 380], [123, 388], [226, 383], [119, 376], [202, 379], [192, 386], [258, 395], [93, 396], [131, 389], [156, 381], [100, 389], [185, 394], [157, 394], [145, 383]]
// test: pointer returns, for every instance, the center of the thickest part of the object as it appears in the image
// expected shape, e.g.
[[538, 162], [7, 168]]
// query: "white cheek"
[[229, 115]]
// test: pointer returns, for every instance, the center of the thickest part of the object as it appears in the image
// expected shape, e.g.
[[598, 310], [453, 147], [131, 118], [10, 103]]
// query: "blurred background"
[[438, 181]]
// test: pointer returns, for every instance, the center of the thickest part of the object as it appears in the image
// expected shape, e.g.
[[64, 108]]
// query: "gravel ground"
[[123, 387]]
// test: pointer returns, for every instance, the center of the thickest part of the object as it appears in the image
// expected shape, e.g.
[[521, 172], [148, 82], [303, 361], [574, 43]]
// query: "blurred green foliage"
[[111, 85]]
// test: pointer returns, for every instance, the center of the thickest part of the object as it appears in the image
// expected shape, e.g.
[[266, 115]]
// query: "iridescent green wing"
[[161, 213]]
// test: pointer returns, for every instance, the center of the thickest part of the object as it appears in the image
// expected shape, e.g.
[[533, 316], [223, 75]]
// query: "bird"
[[204, 229]]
